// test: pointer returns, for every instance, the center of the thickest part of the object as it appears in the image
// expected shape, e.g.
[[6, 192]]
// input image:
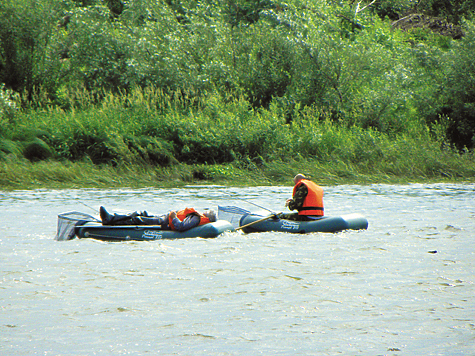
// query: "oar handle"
[[257, 221]]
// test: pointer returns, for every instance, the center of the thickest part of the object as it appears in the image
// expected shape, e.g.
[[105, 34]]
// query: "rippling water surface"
[[403, 287]]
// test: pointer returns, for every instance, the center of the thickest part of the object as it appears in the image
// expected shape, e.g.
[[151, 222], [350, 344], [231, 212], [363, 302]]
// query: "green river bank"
[[168, 94], [75, 175]]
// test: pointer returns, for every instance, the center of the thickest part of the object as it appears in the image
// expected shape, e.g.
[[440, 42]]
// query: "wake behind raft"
[[257, 223]]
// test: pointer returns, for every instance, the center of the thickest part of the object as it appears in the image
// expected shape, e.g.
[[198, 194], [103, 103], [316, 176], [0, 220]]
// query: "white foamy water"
[[403, 287]]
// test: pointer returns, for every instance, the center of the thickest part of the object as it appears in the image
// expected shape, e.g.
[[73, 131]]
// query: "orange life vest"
[[182, 214], [313, 203]]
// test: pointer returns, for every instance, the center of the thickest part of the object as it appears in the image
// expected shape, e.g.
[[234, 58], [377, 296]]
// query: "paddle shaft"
[[257, 221]]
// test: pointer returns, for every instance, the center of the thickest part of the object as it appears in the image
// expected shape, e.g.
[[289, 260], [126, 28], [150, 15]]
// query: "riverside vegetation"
[[165, 93]]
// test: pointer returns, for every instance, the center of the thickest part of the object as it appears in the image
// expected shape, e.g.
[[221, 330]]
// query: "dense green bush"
[[456, 98], [217, 132], [8, 107]]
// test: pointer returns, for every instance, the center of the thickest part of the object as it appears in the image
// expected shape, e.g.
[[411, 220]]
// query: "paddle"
[[257, 221]]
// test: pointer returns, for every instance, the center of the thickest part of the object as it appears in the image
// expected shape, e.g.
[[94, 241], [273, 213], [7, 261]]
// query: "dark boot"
[[116, 219], [136, 218]]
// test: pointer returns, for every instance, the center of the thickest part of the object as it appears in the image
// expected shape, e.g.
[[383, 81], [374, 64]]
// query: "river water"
[[403, 287]]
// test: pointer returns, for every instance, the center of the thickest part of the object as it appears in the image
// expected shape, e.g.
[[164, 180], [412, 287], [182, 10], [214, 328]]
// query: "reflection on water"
[[403, 287]]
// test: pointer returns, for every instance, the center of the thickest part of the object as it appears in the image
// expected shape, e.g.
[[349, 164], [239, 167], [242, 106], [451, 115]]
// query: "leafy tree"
[[451, 10], [245, 12], [26, 29], [457, 94]]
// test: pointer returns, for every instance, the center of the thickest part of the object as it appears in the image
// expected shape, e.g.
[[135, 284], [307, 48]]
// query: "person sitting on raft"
[[307, 198], [180, 220]]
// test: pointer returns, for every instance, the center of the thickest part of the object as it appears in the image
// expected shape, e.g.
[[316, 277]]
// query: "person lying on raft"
[[180, 220], [307, 198]]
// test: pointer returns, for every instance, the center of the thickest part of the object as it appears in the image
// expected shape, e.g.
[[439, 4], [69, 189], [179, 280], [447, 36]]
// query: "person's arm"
[[188, 223], [299, 197]]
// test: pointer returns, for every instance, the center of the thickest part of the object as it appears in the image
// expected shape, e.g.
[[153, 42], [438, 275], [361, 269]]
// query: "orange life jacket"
[[313, 203], [182, 214]]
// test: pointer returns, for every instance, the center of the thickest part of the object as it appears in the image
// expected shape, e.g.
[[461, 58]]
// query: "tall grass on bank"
[[147, 137]]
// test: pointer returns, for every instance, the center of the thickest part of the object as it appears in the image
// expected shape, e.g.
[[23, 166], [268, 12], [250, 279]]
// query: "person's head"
[[210, 214], [298, 178]]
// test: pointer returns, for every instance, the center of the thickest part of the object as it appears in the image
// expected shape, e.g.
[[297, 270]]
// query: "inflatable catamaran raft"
[[250, 223], [76, 224]]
